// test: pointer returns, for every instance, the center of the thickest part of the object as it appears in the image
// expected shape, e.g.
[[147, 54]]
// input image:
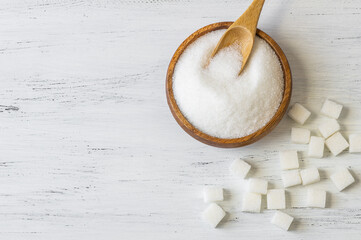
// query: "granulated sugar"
[[218, 101]]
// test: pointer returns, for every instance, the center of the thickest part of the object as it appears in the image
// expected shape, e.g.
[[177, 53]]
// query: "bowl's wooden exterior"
[[234, 142]]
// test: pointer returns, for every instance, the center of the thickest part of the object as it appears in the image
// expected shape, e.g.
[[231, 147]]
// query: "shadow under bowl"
[[228, 142]]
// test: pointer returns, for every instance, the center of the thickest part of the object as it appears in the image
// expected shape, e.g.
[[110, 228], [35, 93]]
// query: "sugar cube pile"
[[291, 174], [282, 220]]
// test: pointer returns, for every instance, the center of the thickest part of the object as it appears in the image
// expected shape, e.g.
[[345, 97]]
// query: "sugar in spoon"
[[242, 32]]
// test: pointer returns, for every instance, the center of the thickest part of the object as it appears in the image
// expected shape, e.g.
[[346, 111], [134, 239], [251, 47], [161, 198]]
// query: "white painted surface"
[[89, 149]]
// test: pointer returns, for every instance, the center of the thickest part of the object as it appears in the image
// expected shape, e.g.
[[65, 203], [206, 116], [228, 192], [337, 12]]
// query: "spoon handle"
[[249, 18]]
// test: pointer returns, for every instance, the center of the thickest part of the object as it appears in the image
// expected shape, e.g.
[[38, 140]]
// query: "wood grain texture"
[[90, 150], [242, 32], [222, 142]]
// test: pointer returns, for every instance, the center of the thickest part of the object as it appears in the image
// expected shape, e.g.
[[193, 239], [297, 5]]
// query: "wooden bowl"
[[231, 142]]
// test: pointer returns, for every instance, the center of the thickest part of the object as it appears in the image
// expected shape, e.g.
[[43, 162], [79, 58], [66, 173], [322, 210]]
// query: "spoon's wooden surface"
[[242, 31]]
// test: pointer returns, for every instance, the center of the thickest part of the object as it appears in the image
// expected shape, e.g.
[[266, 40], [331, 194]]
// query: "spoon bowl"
[[240, 36], [228, 142], [242, 32]]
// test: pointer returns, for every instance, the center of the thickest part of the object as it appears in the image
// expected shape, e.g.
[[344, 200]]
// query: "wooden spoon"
[[242, 31]]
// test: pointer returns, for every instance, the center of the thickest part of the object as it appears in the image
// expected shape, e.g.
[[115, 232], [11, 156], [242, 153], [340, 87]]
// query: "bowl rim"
[[228, 142]]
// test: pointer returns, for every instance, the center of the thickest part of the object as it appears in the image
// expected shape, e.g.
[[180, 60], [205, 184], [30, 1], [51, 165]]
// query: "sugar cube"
[[331, 109], [355, 143], [213, 214], [256, 185], [299, 113], [316, 198], [291, 178], [212, 194], [316, 147], [251, 202], [300, 135], [336, 143], [342, 179], [289, 160], [310, 175], [240, 168], [276, 199], [329, 127], [282, 220]]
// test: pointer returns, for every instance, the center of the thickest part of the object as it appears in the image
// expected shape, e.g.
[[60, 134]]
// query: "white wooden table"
[[89, 149]]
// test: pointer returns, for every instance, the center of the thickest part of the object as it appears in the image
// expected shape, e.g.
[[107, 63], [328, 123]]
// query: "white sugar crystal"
[[316, 147], [300, 135], [291, 178], [355, 143], [310, 175], [256, 185], [251, 202], [329, 127], [276, 199], [212, 194], [240, 168], [342, 178], [213, 214], [289, 160], [336, 143], [299, 113], [316, 198], [282, 220], [331, 109], [219, 101]]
